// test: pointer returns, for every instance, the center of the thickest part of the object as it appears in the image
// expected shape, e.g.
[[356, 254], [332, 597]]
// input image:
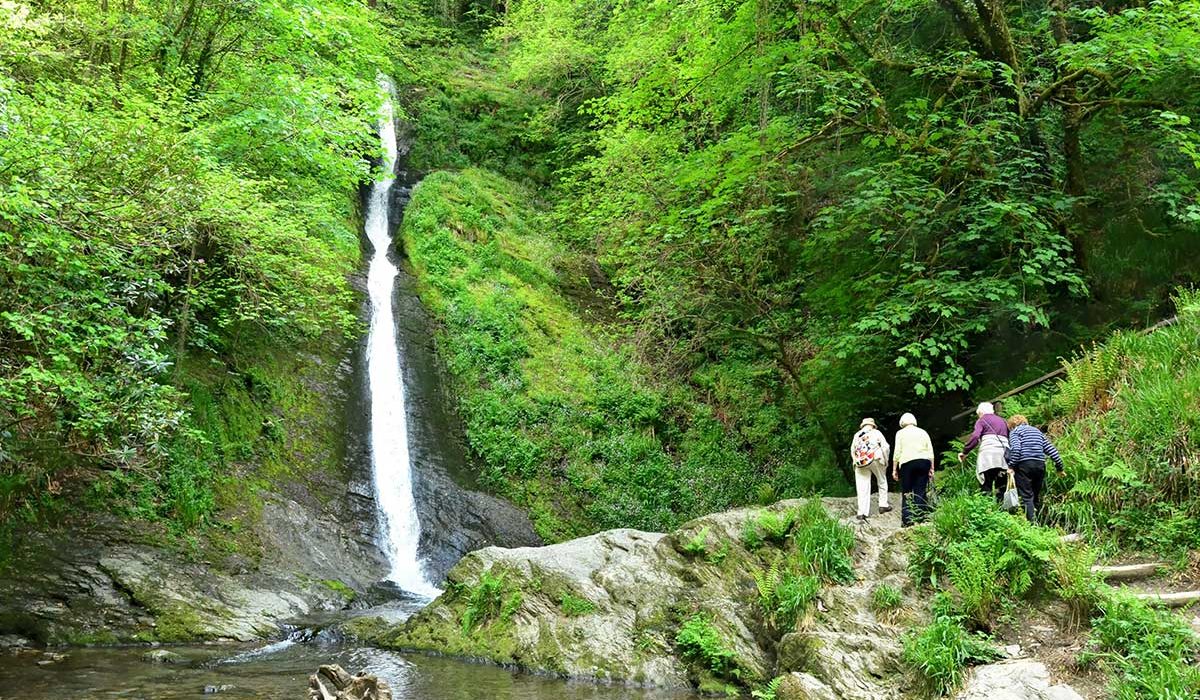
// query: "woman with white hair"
[[912, 466], [991, 436]]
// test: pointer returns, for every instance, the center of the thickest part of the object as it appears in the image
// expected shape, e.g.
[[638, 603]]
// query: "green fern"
[[765, 582], [775, 526], [768, 691]]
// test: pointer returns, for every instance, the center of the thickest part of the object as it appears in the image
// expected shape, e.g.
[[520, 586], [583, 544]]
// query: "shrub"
[[784, 595], [752, 539], [700, 643], [1075, 582], [983, 555], [940, 652], [775, 526], [822, 544], [697, 545]]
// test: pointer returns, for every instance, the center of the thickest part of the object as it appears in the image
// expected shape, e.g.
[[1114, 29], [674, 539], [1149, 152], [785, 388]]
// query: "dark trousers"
[[1030, 475], [995, 480], [914, 487]]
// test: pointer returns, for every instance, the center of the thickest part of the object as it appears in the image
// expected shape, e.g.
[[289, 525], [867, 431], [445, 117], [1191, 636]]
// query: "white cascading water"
[[400, 531]]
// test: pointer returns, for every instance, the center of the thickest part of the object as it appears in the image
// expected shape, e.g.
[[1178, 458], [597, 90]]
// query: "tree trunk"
[[1072, 150]]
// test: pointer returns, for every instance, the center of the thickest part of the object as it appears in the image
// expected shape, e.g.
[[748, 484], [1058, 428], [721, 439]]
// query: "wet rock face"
[[333, 683], [110, 585]]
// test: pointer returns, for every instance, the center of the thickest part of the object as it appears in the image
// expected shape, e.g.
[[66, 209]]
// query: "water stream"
[[120, 674], [399, 528]]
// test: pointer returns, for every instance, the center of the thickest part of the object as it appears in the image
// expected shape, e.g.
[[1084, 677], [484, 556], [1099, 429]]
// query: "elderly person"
[[991, 436], [912, 466], [869, 453], [1028, 449]]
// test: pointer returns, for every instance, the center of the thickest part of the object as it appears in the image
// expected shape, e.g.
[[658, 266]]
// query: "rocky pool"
[[277, 671]]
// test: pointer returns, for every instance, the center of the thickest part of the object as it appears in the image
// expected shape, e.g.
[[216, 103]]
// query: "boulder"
[[162, 656], [49, 658], [802, 686], [1014, 680], [609, 606], [14, 641], [334, 683]]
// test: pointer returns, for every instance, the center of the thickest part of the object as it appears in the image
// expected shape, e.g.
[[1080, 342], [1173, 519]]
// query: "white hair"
[[985, 408], [907, 419]]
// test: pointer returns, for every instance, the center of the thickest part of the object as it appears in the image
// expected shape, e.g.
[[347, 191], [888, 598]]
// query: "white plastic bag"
[[1012, 498]]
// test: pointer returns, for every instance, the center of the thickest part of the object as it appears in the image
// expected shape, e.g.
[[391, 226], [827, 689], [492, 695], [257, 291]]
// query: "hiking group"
[[1011, 457]]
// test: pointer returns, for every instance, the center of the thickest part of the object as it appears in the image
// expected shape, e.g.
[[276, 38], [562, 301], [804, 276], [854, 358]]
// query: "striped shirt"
[[1027, 442]]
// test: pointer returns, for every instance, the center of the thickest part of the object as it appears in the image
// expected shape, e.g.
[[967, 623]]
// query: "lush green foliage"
[[940, 653], [854, 205], [984, 556], [1127, 426], [984, 560], [1151, 653], [176, 192]]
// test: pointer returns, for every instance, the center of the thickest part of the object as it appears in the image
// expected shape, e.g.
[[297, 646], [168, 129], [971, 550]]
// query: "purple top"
[[991, 424]]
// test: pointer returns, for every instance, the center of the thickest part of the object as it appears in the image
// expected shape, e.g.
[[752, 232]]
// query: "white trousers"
[[862, 484]]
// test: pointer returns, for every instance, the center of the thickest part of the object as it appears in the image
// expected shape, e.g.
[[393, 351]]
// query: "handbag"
[[1012, 498]]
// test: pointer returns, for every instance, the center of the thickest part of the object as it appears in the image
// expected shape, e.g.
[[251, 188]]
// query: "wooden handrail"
[[1051, 375]]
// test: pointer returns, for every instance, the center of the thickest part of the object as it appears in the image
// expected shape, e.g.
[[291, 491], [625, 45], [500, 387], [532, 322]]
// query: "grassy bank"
[[562, 415], [986, 570]]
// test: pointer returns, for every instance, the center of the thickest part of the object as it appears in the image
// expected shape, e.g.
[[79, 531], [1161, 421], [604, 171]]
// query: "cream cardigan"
[[912, 443]]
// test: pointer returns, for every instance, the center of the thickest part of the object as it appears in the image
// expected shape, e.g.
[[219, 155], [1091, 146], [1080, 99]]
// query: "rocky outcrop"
[[1023, 679], [610, 606], [112, 583], [333, 683], [848, 651]]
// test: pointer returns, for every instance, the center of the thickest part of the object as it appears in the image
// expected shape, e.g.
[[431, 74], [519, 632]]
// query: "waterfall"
[[399, 529]]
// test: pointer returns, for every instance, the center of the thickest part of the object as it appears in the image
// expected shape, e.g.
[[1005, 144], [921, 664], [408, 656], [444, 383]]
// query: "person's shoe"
[[861, 518], [885, 509]]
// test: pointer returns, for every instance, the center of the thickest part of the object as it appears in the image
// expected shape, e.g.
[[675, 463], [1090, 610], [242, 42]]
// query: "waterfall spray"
[[400, 531]]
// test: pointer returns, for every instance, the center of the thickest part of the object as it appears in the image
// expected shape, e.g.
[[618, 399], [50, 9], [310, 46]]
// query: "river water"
[[104, 673]]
